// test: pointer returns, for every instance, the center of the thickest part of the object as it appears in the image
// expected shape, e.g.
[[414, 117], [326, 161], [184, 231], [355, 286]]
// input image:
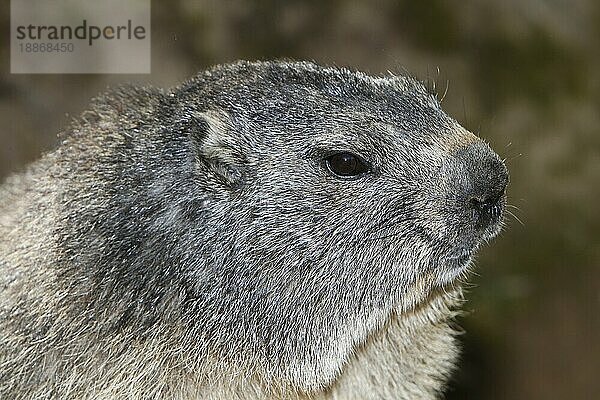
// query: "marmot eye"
[[346, 165]]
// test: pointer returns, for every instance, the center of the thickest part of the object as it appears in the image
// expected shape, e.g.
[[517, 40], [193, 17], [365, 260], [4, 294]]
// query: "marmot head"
[[335, 170], [329, 195]]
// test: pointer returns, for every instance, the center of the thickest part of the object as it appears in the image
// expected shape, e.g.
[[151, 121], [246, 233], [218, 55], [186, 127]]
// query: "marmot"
[[264, 230]]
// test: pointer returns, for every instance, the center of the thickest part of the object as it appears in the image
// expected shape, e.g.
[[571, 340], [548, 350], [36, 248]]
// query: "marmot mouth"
[[460, 260]]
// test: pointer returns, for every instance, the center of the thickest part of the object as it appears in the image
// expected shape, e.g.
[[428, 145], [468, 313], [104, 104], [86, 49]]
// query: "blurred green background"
[[523, 74]]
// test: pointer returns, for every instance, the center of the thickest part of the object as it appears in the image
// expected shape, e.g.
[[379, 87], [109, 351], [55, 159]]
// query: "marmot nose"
[[486, 184]]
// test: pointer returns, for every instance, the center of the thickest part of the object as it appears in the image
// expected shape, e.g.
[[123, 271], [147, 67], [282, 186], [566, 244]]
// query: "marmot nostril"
[[487, 200], [487, 205]]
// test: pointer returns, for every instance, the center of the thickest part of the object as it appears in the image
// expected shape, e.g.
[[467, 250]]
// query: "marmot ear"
[[217, 148]]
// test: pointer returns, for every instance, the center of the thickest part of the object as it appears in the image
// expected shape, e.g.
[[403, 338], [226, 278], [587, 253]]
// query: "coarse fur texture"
[[193, 244]]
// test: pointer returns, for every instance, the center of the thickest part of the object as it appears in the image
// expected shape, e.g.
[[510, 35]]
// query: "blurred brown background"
[[523, 74]]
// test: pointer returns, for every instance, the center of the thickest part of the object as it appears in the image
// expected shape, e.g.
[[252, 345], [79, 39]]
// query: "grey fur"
[[191, 243]]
